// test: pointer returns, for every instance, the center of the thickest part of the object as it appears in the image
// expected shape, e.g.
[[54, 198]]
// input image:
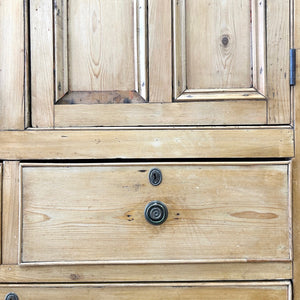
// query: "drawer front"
[[250, 291], [72, 213]]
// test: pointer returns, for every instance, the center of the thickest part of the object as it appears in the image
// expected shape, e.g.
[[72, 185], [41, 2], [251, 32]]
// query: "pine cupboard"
[[148, 149]]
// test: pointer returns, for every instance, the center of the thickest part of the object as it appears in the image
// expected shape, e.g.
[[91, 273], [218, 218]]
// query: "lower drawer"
[[232, 291], [95, 214]]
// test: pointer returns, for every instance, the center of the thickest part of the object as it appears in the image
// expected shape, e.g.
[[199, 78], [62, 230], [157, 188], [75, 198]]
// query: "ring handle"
[[156, 212]]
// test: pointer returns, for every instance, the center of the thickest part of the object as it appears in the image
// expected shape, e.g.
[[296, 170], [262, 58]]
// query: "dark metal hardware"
[[11, 296], [155, 176], [292, 67], [156, 212]]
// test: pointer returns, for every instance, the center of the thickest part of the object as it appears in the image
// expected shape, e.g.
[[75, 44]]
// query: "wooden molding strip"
[[146, 291], [131, 273], [10, 212], [147, 144], [296, 161]]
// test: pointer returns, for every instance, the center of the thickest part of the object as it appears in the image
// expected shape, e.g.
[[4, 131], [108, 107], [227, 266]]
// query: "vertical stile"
[[10, 211], [140, 45], [258, 8], [61, 48], [179, 53], [42, 75]]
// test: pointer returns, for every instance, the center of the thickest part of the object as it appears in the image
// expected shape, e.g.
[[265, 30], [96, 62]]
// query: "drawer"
[[95, 214], [249, 291]]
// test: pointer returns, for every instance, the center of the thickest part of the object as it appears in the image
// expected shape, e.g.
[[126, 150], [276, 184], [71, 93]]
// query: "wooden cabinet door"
[[151, 62]]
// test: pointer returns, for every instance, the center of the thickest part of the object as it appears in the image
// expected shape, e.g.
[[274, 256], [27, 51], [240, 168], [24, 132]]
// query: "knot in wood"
[[225, 40]]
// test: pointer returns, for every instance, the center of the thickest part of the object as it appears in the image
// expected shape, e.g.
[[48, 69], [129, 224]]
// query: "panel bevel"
[[61, 48], [85, 64], [257, 57]]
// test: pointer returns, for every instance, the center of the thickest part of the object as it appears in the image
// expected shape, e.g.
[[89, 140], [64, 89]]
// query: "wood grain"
[[150, 272], [1, 183], [27, 87], [101, 45], [152, 144], [42, 75], [218, 55], [160, 50], [258, 37], [11, 65], [179, 48], [296, 161], [175, 291], [112, 97], [162, 114], [204, 95], [61, 48], [10, 210], [278, 45], [219, 212], [141, 48]]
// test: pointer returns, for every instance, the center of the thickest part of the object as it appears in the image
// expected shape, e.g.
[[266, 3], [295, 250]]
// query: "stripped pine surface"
[[101, 45], [10, 211], [61, 48], [11, 65], [150, 272], [42, 55], [103, 205], [218, 56], [154, 143], [296, 161], [278, 45], [175, 291], [160, 50], [162, 114]]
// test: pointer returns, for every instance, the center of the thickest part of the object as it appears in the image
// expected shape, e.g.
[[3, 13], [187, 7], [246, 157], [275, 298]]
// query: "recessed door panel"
[[100, 51], [219, 56]]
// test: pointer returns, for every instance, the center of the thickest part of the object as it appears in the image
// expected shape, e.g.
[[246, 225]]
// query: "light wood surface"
[[11, 65], [160, 50], [61, 48], [112, 97], [101, 45], [217, 212], [148, 144], [10, 210], [296, 161], [221, 55], [259, 46], [114, 58], [179, 48], [159, 114], [278, 41], [221, 94], [141, 48], [27, 91], [1, 183], [218, 56], [180, 291], [42, 75], [145, 273]]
